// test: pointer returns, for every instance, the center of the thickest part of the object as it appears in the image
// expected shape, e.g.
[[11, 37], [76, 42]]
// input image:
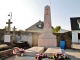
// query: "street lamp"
[[10, 14]]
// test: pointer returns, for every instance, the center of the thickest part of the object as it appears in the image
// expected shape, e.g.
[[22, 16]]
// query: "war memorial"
[[47, 48]]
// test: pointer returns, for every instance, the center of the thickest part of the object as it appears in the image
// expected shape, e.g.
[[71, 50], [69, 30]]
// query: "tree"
[[20, 30], [56, 29], [6, 28]]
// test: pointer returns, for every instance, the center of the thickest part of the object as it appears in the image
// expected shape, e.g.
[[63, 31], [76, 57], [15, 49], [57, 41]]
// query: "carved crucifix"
[[47, 11], [9, 22]]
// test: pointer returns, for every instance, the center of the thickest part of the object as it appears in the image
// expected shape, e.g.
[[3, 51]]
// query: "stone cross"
[[47, 11], [14, 29], [9, 22]]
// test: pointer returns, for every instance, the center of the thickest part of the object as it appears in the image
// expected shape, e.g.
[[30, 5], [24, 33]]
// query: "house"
[[37, 27], [35, 30], [75, 27]]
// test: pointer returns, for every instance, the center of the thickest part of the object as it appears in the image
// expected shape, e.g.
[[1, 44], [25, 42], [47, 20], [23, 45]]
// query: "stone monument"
[[47, 39], [8, 36]]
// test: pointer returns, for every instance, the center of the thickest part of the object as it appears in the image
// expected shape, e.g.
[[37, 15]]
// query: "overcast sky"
[[25, 13]]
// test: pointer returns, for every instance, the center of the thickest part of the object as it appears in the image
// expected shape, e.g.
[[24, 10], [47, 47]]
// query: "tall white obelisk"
[[47, 39]]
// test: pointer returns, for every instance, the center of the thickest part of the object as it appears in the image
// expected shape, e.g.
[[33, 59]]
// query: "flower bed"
[[18, 51], [58, 56]]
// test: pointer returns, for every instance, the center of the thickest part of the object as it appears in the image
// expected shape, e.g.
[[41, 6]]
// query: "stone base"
[[47, 43], [47, 39], [33, 51]]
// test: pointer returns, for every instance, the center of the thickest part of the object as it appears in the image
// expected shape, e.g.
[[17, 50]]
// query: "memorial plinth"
[[50, 51], [33, 51], [47, 39]]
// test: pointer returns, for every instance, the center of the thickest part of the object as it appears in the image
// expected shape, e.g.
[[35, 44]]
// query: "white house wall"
[[75, 36]]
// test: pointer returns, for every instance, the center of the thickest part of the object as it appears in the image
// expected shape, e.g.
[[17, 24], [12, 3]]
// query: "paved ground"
[[76, 46], [73, 54]]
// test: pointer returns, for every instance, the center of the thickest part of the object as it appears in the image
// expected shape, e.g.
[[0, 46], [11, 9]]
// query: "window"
[[39, 25]]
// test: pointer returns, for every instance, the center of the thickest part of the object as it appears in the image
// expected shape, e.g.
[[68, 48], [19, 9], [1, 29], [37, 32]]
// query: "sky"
[[25, 13]]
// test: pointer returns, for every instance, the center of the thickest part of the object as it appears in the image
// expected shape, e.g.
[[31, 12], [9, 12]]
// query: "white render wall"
[[75, 36], [27, 37]]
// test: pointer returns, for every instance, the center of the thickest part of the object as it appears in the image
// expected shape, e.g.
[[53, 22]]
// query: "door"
[[78, 37]]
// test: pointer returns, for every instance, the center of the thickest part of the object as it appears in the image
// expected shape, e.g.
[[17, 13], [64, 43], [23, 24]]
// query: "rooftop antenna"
[[50, 3]]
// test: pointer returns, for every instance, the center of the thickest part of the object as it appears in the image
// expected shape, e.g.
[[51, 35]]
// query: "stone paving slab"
[[33, 51], [50, 51], [73, 54]]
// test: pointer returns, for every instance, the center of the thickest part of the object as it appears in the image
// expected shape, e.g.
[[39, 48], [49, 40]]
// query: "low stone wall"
[[65, 36], [35, 36], [11, 32]]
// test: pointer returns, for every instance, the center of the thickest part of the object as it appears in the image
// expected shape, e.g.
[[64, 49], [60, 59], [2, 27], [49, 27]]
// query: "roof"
[[35, 28], [74, 17], [63, 31]]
